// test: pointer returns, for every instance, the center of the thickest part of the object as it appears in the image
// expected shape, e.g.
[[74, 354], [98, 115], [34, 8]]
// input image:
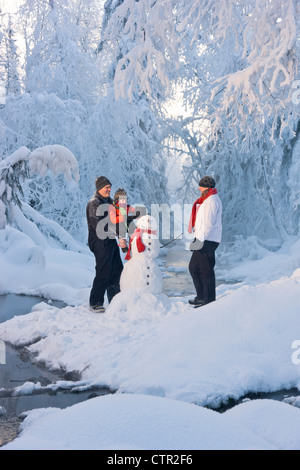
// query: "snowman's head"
[[148, 235], [147, 222]]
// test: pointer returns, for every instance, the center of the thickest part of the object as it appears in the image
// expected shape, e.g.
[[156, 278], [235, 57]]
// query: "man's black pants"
[[201, 268], [109, 267]]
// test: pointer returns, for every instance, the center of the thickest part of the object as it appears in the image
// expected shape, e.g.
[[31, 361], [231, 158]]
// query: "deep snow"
[[163, 357], [143, 422]]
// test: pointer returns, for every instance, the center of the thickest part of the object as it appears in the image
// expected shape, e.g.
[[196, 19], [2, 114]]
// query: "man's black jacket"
[[98, 220]]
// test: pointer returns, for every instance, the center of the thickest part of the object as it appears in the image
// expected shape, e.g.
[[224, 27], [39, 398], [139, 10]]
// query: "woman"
[[206, 223]]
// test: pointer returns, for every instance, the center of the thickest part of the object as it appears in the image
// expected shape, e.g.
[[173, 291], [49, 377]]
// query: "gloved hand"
[[196, 245]]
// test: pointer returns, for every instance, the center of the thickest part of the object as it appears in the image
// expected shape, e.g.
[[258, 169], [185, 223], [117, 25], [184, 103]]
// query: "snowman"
[[141, 271]]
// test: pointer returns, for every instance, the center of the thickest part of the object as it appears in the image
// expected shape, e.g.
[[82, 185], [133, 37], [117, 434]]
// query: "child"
[[121, 215]]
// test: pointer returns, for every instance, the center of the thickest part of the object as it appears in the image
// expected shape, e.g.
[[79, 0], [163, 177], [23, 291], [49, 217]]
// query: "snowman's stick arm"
[[173, 239]]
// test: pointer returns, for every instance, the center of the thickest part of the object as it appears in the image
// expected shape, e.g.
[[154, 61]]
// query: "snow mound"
[[145, 423]]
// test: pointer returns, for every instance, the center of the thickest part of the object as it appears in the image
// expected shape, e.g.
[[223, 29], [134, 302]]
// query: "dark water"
[[176, 277], [19, 369], [279, 395], [177, 281], [12, 305]]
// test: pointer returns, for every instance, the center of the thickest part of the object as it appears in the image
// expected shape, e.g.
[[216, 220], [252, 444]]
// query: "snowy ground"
[[163, 357], [142, 422], [45, 271]]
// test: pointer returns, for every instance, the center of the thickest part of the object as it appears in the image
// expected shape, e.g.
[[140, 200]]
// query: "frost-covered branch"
[[143, 41], [54, 158], [260, 88], [47, 227], [240, 54]]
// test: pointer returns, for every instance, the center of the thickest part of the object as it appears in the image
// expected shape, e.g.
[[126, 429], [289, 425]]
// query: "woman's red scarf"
[[196, 205]]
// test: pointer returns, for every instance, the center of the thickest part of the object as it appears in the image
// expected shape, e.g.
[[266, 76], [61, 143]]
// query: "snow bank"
[[29, 265], [151, 344], [251, 263], [164, 357], [55, 158], [142, 422]]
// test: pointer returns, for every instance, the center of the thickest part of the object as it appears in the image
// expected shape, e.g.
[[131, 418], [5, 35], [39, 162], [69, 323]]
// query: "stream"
[[19, 369]]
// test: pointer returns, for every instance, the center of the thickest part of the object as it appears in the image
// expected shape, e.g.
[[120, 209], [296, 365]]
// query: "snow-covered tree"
[[117, 138], [144, 45], [9, 60], [247, 96], [99, 78], [135, 148], [123, 141], [15, 169], [248, 50], [236, 62], [60, 42]]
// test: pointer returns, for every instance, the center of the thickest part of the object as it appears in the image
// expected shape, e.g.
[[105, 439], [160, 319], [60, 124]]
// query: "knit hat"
[[101, 181], [119, 194], [207, 182]]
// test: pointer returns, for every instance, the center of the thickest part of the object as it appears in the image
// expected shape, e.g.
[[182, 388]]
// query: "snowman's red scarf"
[[137, 234], [195, 207]]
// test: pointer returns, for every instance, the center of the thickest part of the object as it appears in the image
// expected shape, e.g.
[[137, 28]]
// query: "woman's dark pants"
[[201, 268]]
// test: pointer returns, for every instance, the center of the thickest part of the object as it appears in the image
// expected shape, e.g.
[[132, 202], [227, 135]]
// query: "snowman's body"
[[141, 272]]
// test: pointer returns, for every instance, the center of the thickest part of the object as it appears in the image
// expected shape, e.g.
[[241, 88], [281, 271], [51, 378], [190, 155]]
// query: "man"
[[102, 242], [206, 221]]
